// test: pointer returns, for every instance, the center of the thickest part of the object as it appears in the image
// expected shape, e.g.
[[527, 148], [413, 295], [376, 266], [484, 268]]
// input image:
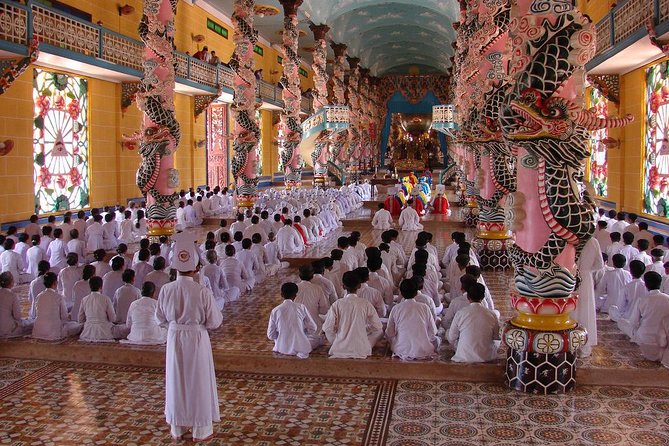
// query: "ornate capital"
[[290, 6], [319, 31], [339, 49]]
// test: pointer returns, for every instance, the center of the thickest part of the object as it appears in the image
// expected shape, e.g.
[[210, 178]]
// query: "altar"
[[413, 147]]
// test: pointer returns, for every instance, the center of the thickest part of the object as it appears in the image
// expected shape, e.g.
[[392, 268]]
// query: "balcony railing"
[[59, 31], [625, 24]]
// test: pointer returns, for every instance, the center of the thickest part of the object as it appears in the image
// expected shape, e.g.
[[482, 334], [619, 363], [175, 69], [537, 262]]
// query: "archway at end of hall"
[[398, 104]]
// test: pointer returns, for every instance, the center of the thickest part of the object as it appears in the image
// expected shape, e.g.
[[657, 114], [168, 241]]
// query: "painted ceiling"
[[389, 37]]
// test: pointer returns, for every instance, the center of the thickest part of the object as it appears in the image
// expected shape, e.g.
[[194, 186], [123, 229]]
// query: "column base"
[[246, 201], [320, 181], [470, 216], [540, 373], [493, 252], [541, 362]]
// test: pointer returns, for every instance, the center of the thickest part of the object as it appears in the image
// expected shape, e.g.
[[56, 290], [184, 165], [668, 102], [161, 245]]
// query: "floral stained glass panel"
[[60, 141], [599, 167], [656, 156]]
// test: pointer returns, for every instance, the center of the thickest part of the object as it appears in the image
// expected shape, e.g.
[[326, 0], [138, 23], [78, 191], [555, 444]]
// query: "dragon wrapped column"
[[159, 133], [319, 156], [291, 131], [246, 131], [545, 124]]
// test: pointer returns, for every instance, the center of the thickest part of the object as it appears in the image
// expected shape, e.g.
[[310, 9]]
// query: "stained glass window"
[[656, 156], [60, 141], [598, 150], [217, 145]]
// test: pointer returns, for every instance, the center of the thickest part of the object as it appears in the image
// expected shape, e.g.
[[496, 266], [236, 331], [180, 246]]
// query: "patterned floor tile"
[[73, 404], [452, 413]]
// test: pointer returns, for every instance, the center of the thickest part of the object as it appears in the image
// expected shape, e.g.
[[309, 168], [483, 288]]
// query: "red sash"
[[301, 232]]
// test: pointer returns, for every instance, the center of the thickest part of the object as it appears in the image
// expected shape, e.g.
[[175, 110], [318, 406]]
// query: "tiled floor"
[[56, 403], [72, 404], [451, 413]]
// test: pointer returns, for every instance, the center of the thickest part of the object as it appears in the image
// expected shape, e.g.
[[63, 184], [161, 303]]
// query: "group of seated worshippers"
[[633, 285], [234, 259], [346, 299], [194, 206]]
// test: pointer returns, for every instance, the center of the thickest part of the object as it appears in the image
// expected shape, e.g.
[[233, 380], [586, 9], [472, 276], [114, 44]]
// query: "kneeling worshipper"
[[188, 309], [142, 322], [650, 321], [411, 330], [474, 332], [11, 324], [440, 203], [352, 325], [97, 314], [291, 327], [288, 239], [382, 219], [409, 219], [52, 321]]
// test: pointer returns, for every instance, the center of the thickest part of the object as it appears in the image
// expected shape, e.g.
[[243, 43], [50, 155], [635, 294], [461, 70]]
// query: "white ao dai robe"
[[585, 313], [411, 331], [382, 220], [313, 298], [352, 327], [409, 220], [289, 241], [97, 314], [191, 397], [473, 334], [52, 320], [292, 329], [143, 325]]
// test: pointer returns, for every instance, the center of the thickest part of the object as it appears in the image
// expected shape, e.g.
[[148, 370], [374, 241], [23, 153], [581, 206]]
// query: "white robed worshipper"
[[36, 287], [189, 309], [110, 233], [97, 314], [291, 327], [11, 261], [11, 324], [610, 290], [634, 292], [80, 290], [219, 284], [457, 303], [95, 235], [382, 218], [474, 332], [34, 255], [235, 273], [650, 321], [352, 325], [125, 295], [411, 330], [289, 240], [142, 322], [181, 217], [312, 296], [158, 276], [52, 322], [585, 312], [409, 219]]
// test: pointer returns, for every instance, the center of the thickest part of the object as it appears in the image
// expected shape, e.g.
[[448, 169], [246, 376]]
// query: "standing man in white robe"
[[409, 219], [382, 219], [291, 327], [189, 310], [585, 313]]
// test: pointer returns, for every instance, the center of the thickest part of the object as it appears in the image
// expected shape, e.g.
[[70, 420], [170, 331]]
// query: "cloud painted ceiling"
[[388, 36]]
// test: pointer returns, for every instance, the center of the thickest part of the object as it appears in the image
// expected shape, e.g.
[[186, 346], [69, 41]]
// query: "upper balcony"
[[622, 38], [103, 53]]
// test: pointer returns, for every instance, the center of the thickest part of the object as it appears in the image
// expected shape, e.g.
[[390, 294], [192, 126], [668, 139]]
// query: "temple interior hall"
[[505, 163]]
